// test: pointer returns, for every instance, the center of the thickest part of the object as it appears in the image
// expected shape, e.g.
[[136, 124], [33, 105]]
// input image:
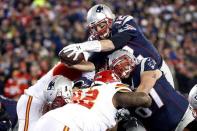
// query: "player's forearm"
[[106, 45], [97, 46], [84, 66], [146, 100], [132, 99], [141, 99], [115, 42]]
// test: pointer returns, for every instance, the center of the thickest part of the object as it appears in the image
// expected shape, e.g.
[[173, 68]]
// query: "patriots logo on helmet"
[[51, 85], [99, 9], [195, 97]]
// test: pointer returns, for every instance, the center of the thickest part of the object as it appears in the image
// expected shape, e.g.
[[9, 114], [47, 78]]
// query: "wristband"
[[92, 46]]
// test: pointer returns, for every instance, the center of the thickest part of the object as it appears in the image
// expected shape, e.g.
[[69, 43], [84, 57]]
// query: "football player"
[[94, 108], [193, 104], [30, 105], [8, 116], [193, 100], [109, 33], [168, 106]]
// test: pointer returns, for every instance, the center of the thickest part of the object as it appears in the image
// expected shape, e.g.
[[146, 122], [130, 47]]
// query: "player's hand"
[[78, 48], [74, 49]]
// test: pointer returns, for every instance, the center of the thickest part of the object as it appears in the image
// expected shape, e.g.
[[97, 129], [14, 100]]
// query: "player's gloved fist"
[[76, 49]]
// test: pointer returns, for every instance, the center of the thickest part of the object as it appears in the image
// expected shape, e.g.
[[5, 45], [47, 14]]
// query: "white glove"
[[88, 46]]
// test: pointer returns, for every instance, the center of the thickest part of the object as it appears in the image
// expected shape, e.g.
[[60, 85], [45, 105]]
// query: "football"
[[69, 60]]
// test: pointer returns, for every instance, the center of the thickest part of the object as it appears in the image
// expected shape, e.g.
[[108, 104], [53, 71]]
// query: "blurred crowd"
[[32, 32]]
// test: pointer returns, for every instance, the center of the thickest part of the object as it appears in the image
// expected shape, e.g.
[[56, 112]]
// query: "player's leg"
[[165, 69], [186, 119], [29, 110]]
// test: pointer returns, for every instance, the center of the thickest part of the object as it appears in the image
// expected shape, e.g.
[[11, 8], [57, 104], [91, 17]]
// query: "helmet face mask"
[[123, 67], [123, 63], [100, 16], [65, 93], [101, 29]]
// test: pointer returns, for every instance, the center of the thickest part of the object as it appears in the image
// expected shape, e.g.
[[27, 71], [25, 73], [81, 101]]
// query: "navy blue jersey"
[[137, 42], [10, 108], [168, 106], [127, 34]]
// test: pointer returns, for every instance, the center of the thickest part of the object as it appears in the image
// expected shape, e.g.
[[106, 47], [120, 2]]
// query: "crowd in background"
[[32, 32]]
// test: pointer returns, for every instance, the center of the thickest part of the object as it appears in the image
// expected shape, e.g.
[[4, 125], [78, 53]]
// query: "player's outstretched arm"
[[84, 66], [131, 99]]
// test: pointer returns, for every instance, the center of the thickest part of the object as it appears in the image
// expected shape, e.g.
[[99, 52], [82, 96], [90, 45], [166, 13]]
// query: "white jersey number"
[[146, 112]]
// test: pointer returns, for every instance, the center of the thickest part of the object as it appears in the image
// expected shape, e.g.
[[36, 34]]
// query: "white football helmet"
[[100, 14], [122, 62], [59, 86], [193, 99]]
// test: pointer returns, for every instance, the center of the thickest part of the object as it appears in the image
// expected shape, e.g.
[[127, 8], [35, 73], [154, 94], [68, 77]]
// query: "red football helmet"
[[106, 76]]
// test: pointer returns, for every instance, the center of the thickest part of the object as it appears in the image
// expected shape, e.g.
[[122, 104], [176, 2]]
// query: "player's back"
[[103, 105], [139, 44], [92, 109], [167, 107], [98, 100]]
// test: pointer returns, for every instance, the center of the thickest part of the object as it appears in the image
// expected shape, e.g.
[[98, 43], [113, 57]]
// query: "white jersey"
[[92, 110], [30, 105], [59, 69], [38, 88]]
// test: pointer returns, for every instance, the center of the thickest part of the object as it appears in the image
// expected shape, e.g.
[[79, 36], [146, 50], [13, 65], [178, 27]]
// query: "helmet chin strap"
[[105, 32]]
